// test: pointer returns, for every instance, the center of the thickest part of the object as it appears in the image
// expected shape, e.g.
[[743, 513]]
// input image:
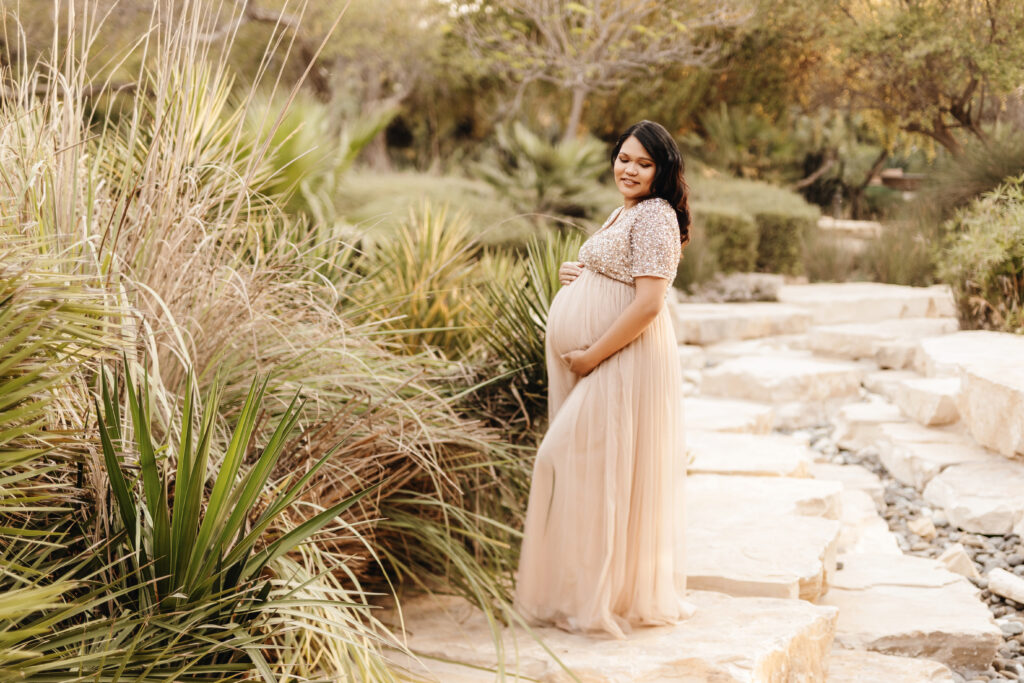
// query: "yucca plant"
[[418, 284], [515, 319], [192, 549], [542, 177]]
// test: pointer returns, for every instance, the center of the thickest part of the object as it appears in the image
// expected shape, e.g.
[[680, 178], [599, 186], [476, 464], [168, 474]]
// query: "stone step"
[[803, 391], [760, 536], [985, 497], [862, 530], [929, 401], [772, 455], [723, 415], [710, 323], [691, 357], [787, 345], [991, 369], [728, 639], [914, 454], [914, 607], [430, 670], [857, 424], [781, 379], [862, 666], [853, 478], [847, 302], [891, 343], [949, 354], [884, 383]]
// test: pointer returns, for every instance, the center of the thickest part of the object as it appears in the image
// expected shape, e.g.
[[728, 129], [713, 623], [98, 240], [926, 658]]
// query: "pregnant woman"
[[603, 540]]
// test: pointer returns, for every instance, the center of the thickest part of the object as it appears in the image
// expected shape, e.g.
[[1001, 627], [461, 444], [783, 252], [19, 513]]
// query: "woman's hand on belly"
[[580, 362], [569, 271]]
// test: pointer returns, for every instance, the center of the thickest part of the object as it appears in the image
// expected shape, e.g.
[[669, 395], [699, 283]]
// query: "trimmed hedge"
[[984, 262], [782, 217], [731, 234]]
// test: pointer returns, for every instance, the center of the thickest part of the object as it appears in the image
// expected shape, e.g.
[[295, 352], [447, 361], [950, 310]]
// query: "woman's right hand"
[[569, 271]]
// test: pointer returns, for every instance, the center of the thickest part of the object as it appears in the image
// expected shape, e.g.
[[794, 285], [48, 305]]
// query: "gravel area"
[[904, 505]]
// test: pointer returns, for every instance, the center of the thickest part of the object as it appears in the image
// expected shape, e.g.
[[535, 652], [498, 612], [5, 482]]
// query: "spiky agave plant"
[[195, 549]]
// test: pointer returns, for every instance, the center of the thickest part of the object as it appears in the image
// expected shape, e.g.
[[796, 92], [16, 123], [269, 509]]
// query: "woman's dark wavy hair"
[[669, 182]]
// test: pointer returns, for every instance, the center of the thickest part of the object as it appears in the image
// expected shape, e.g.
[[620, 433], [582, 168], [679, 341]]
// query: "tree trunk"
[[857, 196], [579, 95]]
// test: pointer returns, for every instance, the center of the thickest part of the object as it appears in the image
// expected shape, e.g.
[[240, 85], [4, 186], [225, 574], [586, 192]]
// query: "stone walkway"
[[855, 507]]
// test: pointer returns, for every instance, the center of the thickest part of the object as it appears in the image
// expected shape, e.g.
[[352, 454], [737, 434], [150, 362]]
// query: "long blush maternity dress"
[[603, 545]]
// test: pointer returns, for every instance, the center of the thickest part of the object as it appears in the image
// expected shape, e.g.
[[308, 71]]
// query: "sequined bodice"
[[634, 242]]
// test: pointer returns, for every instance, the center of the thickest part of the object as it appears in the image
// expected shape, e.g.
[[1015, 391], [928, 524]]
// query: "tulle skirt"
[[603, 545]]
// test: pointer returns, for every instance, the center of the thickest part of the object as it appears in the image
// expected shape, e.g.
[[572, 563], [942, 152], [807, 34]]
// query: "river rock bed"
[[904, 505]]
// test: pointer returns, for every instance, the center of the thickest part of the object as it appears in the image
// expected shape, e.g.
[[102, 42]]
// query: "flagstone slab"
[[886, 382], [691, 357], [914, 607], [991, 403], [724, 415], [852, 477], [847, 302], [985, 497], [991, 369], [863, 340], [779, 379], [727, 640], [780, 542], [862, 529], [771, 455], [709, 323], [787, 345], [914, 454], [929, 401], [857, 424], [949, 354], [862, 666]]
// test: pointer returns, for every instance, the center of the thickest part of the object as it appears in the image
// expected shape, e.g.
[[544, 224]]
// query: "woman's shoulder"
[[655, 209]]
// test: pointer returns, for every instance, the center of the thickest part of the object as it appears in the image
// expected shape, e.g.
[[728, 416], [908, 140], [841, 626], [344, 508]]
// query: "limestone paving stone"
[[857, 424], [862, 530], [985, 497], [863, 340], [846, 302], [930, 401], [852, 477], [862, 666], [992, 405], [761, 536], [728, 639], [886, 382], [723, 415], [773, 455], [691, 357], [698, 323], [914, 454], [780, 379], [787, 345], [949, 354], [914, 607]]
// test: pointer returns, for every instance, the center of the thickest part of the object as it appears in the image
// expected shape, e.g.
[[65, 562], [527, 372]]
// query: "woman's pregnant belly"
[[582, 311]]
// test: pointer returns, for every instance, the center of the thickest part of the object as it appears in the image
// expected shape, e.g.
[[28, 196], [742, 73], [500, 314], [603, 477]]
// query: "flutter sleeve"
[[654, 241]]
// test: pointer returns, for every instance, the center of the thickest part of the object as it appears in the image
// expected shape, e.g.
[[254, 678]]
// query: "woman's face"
[[634, 171]]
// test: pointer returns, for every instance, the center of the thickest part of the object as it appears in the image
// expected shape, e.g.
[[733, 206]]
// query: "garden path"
[[855, 501]]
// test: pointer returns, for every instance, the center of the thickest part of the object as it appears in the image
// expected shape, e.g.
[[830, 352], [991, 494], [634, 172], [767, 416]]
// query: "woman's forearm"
[[630, 324]]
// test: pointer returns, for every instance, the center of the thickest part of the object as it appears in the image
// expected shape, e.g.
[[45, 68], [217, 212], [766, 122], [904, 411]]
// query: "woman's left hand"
[[579, 362]]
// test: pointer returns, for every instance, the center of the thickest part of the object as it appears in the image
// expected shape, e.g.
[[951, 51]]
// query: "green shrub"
[[731, 235], [984, 263], [699, 263], [782, 217]]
